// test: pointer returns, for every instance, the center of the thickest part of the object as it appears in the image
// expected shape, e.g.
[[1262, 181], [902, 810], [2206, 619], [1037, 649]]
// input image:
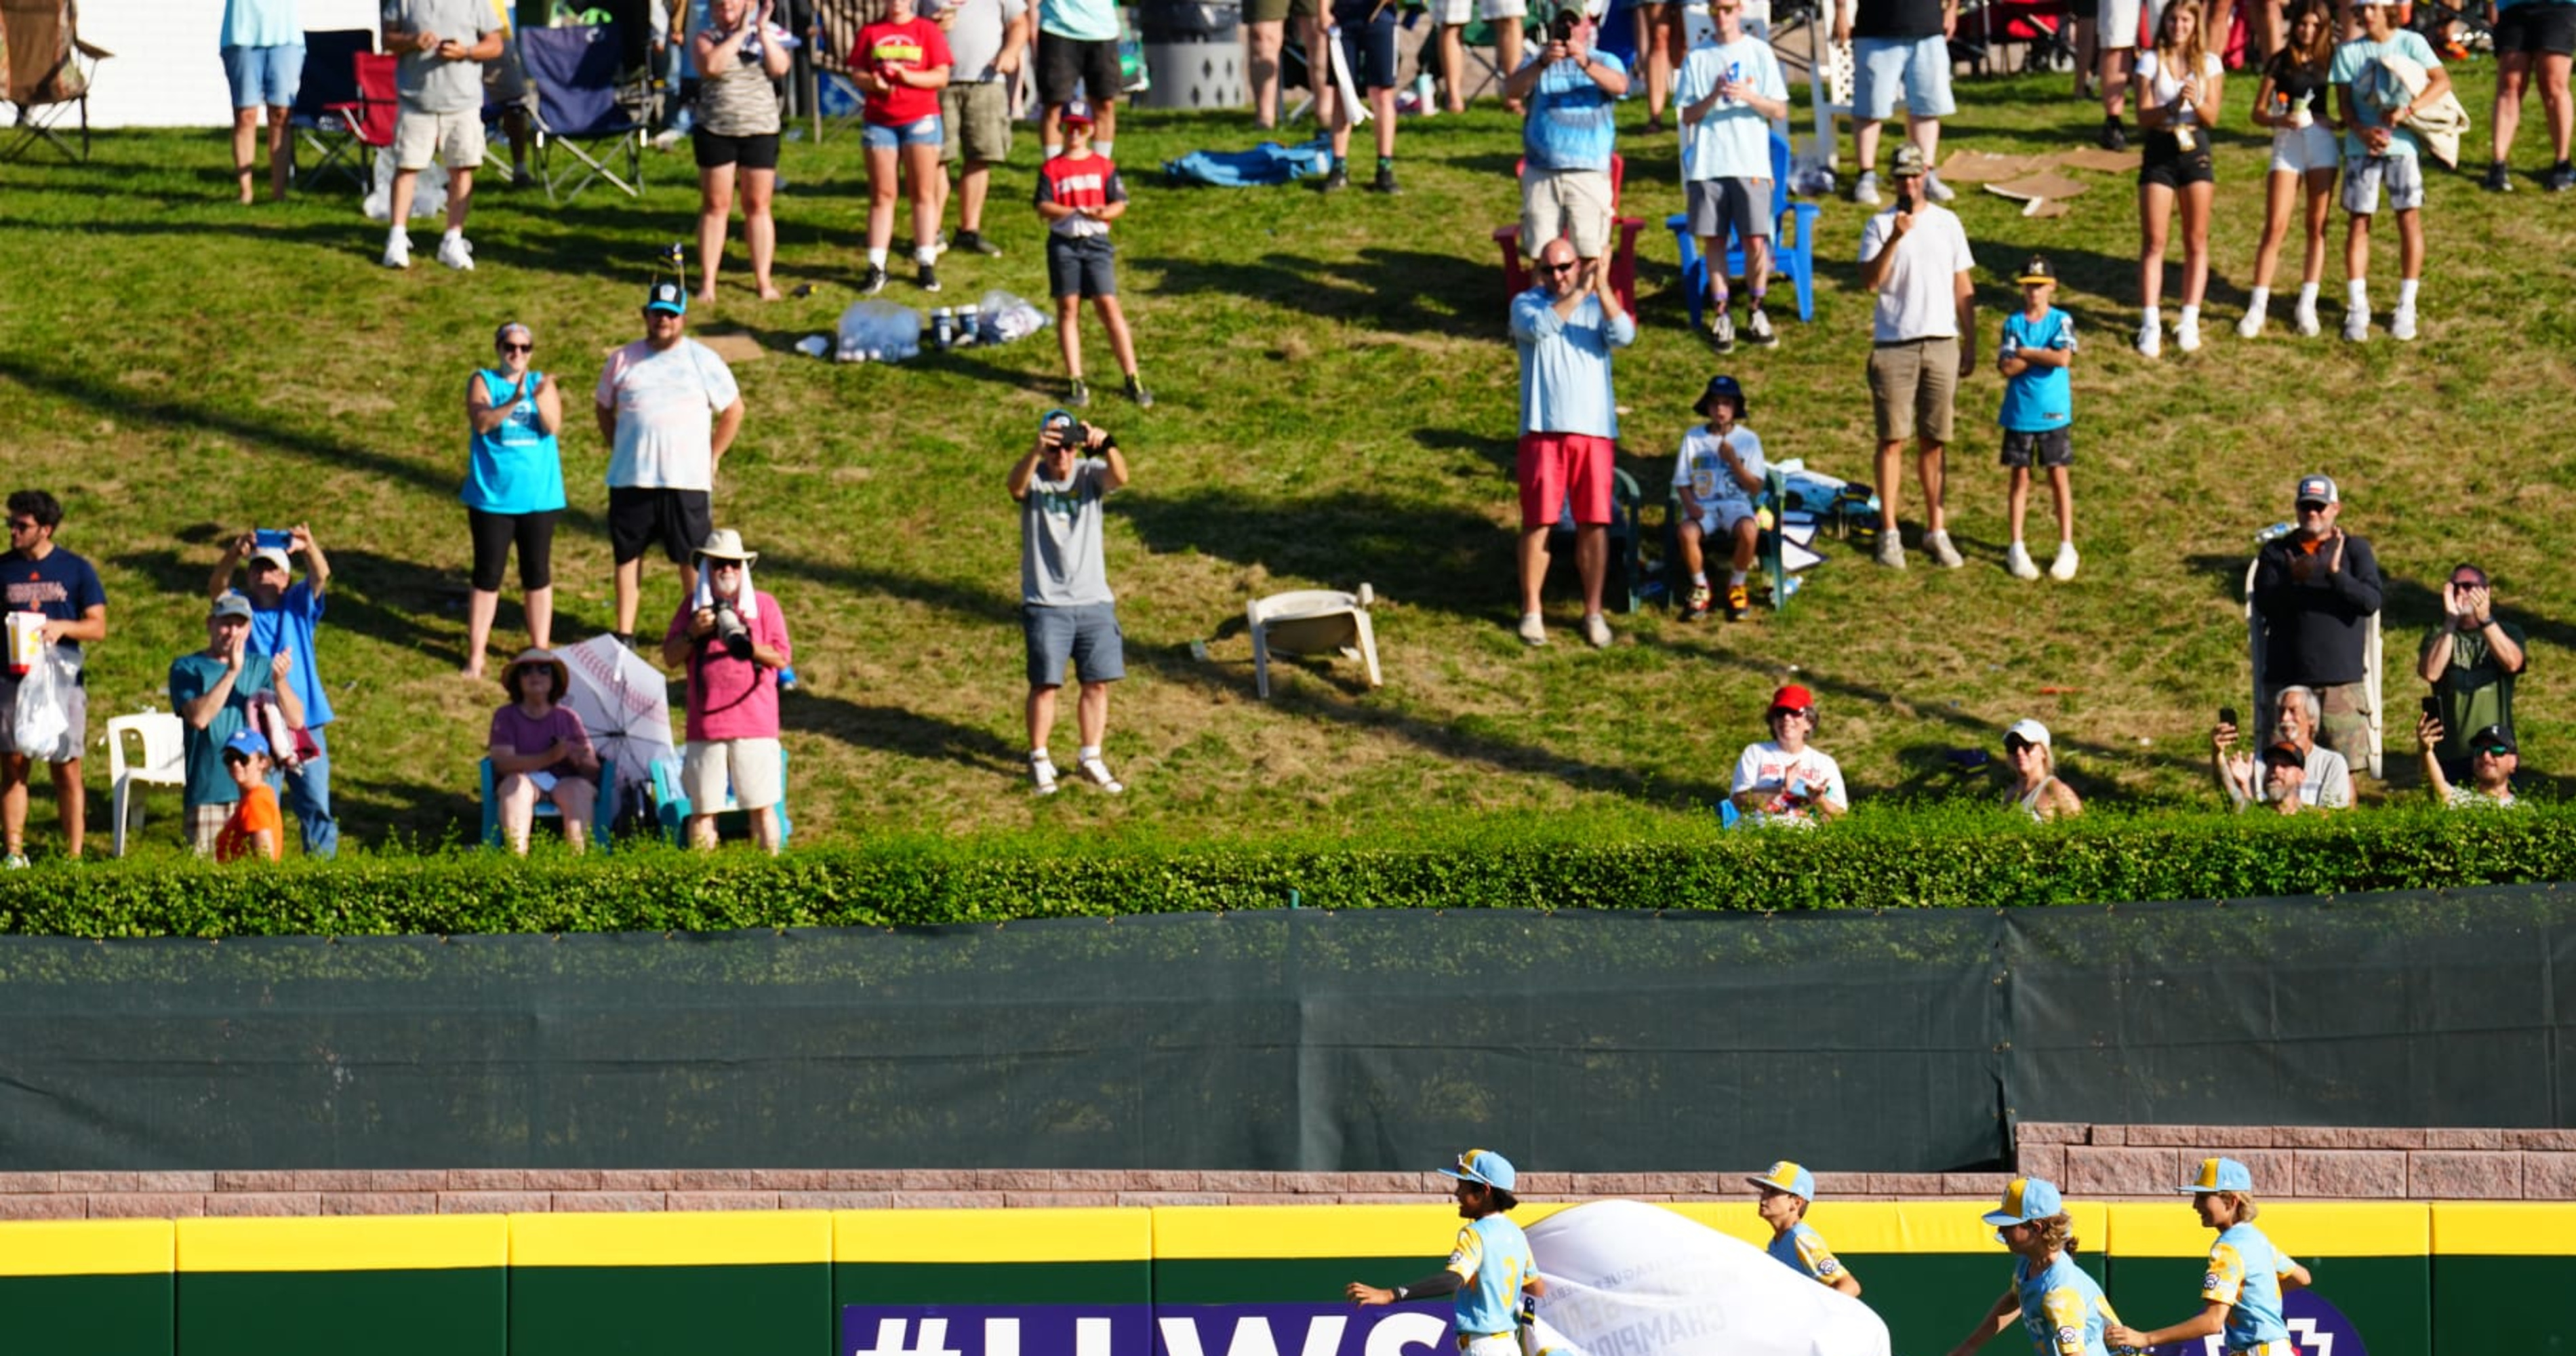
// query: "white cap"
[[2029, 732]]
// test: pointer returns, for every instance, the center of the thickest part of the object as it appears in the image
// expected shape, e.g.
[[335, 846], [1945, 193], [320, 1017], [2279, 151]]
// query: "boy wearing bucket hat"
[[1488, 1269], [731, 640], [2246, 1275], [2062, 1307], [254, 828], [2035, 355], [1786, 1191], [1719, 471], [1781, 780]]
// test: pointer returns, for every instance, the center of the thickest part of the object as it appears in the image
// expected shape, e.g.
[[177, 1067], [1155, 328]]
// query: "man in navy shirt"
[[42, 577], [283, 618]]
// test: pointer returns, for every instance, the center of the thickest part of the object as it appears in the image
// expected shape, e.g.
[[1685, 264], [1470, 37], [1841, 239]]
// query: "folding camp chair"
[[584, 102], [1623, 575], [45, 71], [1483, 72], [1793, 249], [1623, 244], [329, 86]]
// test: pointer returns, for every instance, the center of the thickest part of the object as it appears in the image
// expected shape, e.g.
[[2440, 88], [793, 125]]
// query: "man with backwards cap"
[[1786, 1190], [2246, 1273], [1488, 1268], [2316, 589], [1782, 781], [2062, 1307]]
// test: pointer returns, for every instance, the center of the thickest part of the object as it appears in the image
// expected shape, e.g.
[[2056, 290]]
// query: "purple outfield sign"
[[1138, 1329], [2317, 1328]]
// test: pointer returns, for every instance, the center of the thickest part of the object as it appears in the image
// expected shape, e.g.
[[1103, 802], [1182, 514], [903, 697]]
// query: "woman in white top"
[[2035, 790], [2292, 102], [2177, 88]]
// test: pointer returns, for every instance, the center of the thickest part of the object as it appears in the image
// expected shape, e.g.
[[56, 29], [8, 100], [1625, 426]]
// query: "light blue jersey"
[[2245, 1275], [1803, 1250], [2041, 398], [1492, 1259], [2063, 1308]]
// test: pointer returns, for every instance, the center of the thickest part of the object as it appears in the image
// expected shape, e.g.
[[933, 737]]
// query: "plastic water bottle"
[[943, 326], [970, 325]]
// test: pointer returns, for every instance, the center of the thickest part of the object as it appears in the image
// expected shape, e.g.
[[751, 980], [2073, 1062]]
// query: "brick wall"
[[2088, 1161]]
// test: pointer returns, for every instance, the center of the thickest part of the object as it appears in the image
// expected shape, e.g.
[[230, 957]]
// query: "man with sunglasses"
[[284, 616], [1781, 781], [2471, 660], [44, 578], [2315, 590], [1566, 327], [669, 408], [2492, 760], [1489, 1268]]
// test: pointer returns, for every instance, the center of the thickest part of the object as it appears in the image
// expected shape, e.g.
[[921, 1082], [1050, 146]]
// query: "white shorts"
[[1459, 13], [453, 139], [1574, 204], [2296, 150], [752, 768], [1719, 519], [2363, 175], [2116, 26], [1921, 65]]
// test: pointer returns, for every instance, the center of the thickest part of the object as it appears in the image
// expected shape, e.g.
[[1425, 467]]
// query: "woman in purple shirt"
[[540, 752]]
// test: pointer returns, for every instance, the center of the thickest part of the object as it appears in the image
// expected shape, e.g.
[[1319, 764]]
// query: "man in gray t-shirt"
[[1066, 609], [439, 114]]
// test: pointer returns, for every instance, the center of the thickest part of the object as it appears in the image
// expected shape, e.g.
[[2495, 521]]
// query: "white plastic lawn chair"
[[1311, 621], [163, 763]]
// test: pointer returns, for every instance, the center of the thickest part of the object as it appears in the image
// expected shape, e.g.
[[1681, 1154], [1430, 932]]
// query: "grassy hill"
[[1336, 405]]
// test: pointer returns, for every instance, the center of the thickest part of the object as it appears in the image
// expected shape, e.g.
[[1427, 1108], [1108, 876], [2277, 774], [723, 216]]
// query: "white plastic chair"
[[1311, 621], [164, 762]]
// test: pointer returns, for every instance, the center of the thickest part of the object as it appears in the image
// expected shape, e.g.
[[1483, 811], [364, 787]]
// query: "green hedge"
[[1935, 857]]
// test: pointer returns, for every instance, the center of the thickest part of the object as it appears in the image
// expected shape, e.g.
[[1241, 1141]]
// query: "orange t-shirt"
[[257, 811]]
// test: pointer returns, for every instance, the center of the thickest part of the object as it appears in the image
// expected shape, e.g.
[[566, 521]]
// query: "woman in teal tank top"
[[514, 488]]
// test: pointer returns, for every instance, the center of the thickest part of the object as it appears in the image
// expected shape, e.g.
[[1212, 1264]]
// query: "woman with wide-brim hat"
[[541, 752]]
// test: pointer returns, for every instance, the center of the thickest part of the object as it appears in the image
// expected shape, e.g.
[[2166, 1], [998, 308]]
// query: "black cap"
[[2036, 269], [1726, 386], [2493, 737]]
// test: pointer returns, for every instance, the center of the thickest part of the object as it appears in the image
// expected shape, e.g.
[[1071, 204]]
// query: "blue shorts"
[[264, 76], [1369, 46], [1087, 635], [918, 132], [1922, 65]]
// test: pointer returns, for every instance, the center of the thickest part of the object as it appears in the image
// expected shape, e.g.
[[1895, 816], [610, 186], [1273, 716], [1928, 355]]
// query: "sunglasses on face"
[[22, 524], [507, 347], [1566, 267]]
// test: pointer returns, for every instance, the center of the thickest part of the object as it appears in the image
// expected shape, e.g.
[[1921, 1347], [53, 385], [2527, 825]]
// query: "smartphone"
[[2227, 715], [2433, 708], [265, 537]]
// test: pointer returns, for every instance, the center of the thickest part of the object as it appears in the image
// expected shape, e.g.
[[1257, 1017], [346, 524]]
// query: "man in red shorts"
[[1566, 327]]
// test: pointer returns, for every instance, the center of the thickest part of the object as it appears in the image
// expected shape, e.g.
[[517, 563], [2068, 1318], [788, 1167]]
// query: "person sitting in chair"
[[541, 752]]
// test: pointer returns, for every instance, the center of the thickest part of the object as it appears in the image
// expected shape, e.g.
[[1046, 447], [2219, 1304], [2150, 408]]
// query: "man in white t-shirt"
[[1730, 92], [669, 408], [1718, 472], [1781, 780], [1923, 333]]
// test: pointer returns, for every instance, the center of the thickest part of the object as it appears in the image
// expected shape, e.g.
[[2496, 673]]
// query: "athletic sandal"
[[1096, 772]]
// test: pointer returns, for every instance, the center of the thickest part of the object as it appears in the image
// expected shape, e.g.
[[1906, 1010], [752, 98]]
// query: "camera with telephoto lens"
[[1561, 28], [730, 632]]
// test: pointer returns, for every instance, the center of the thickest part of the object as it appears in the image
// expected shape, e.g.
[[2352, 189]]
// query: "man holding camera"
[[2316, 590], [669, 408], [1067, 612], [731, 641], [283, 618], [1571, 92]]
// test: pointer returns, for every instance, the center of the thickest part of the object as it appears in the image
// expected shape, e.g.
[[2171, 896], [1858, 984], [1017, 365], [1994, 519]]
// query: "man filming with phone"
[[2471, 660], [1571, 91], [1067, 613], [731, 641], [1923, 336]]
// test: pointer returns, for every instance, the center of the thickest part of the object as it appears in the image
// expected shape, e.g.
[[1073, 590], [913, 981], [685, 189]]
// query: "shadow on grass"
[[1432, 555], [893, 729], [372, 595], [1385, 289]]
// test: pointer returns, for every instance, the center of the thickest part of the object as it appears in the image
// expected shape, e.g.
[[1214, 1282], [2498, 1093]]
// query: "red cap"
[[1793, 698]]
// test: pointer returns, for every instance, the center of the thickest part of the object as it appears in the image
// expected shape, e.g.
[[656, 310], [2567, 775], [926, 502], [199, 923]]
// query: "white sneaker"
[[1096, 772], [667, 138], [1533, 629], [2401, 326], [397, 250], [2187, 335], [456, 252], [1891, 548], [2356, 327], [1936, 190], [2151, 340], [1865, 189], [1938, 543], [2063, 568], [2304, 320], [1596, 631], [2251, 327], [1042, 775], [2018, 561]]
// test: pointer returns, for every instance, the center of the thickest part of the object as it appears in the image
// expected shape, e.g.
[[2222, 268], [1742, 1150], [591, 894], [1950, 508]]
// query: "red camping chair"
[[1623, 251], [45, 71], [370, 118]]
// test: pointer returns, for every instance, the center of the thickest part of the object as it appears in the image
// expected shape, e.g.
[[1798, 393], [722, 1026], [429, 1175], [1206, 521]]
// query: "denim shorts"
[[1921, 65], [1087, 635], [918, 132], [264, 76]]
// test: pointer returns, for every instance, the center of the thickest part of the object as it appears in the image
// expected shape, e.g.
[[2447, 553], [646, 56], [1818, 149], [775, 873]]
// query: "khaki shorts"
[[977, 116], [2344, 724], [453, 139], [1912, 386], [753, 768], [1574, 204]]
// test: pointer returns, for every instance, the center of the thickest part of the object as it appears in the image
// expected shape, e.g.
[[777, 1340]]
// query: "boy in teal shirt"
[[2242, 1287], [1786, 1190], [2036, 357], [1488, 1269]]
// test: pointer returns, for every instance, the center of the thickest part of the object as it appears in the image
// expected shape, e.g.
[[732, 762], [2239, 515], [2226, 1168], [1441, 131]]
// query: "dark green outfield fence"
[[2399, 1279], [1904, 1041]]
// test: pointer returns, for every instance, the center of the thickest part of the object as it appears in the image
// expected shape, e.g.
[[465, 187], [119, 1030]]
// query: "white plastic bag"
[[1002, 318], [878, 332], [428, 194], [43, 730]]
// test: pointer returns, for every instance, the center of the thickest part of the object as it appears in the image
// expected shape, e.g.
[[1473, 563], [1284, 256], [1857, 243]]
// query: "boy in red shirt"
[[1078, 195], [901, 63]]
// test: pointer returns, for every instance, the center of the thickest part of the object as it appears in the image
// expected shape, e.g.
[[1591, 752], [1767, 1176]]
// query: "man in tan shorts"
[[1923, 334], [439, 113], [986, 41]]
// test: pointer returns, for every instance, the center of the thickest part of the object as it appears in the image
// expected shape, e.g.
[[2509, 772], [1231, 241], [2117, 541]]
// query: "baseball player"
[[1786, 1190], [2242, 1288], [1489, 1268]]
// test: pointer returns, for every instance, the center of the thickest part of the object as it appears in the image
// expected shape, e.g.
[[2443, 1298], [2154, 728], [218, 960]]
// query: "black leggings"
[[493, 534]]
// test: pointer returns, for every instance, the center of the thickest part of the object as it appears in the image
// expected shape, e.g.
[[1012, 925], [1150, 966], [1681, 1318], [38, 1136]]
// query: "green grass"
[[1337, 405]]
